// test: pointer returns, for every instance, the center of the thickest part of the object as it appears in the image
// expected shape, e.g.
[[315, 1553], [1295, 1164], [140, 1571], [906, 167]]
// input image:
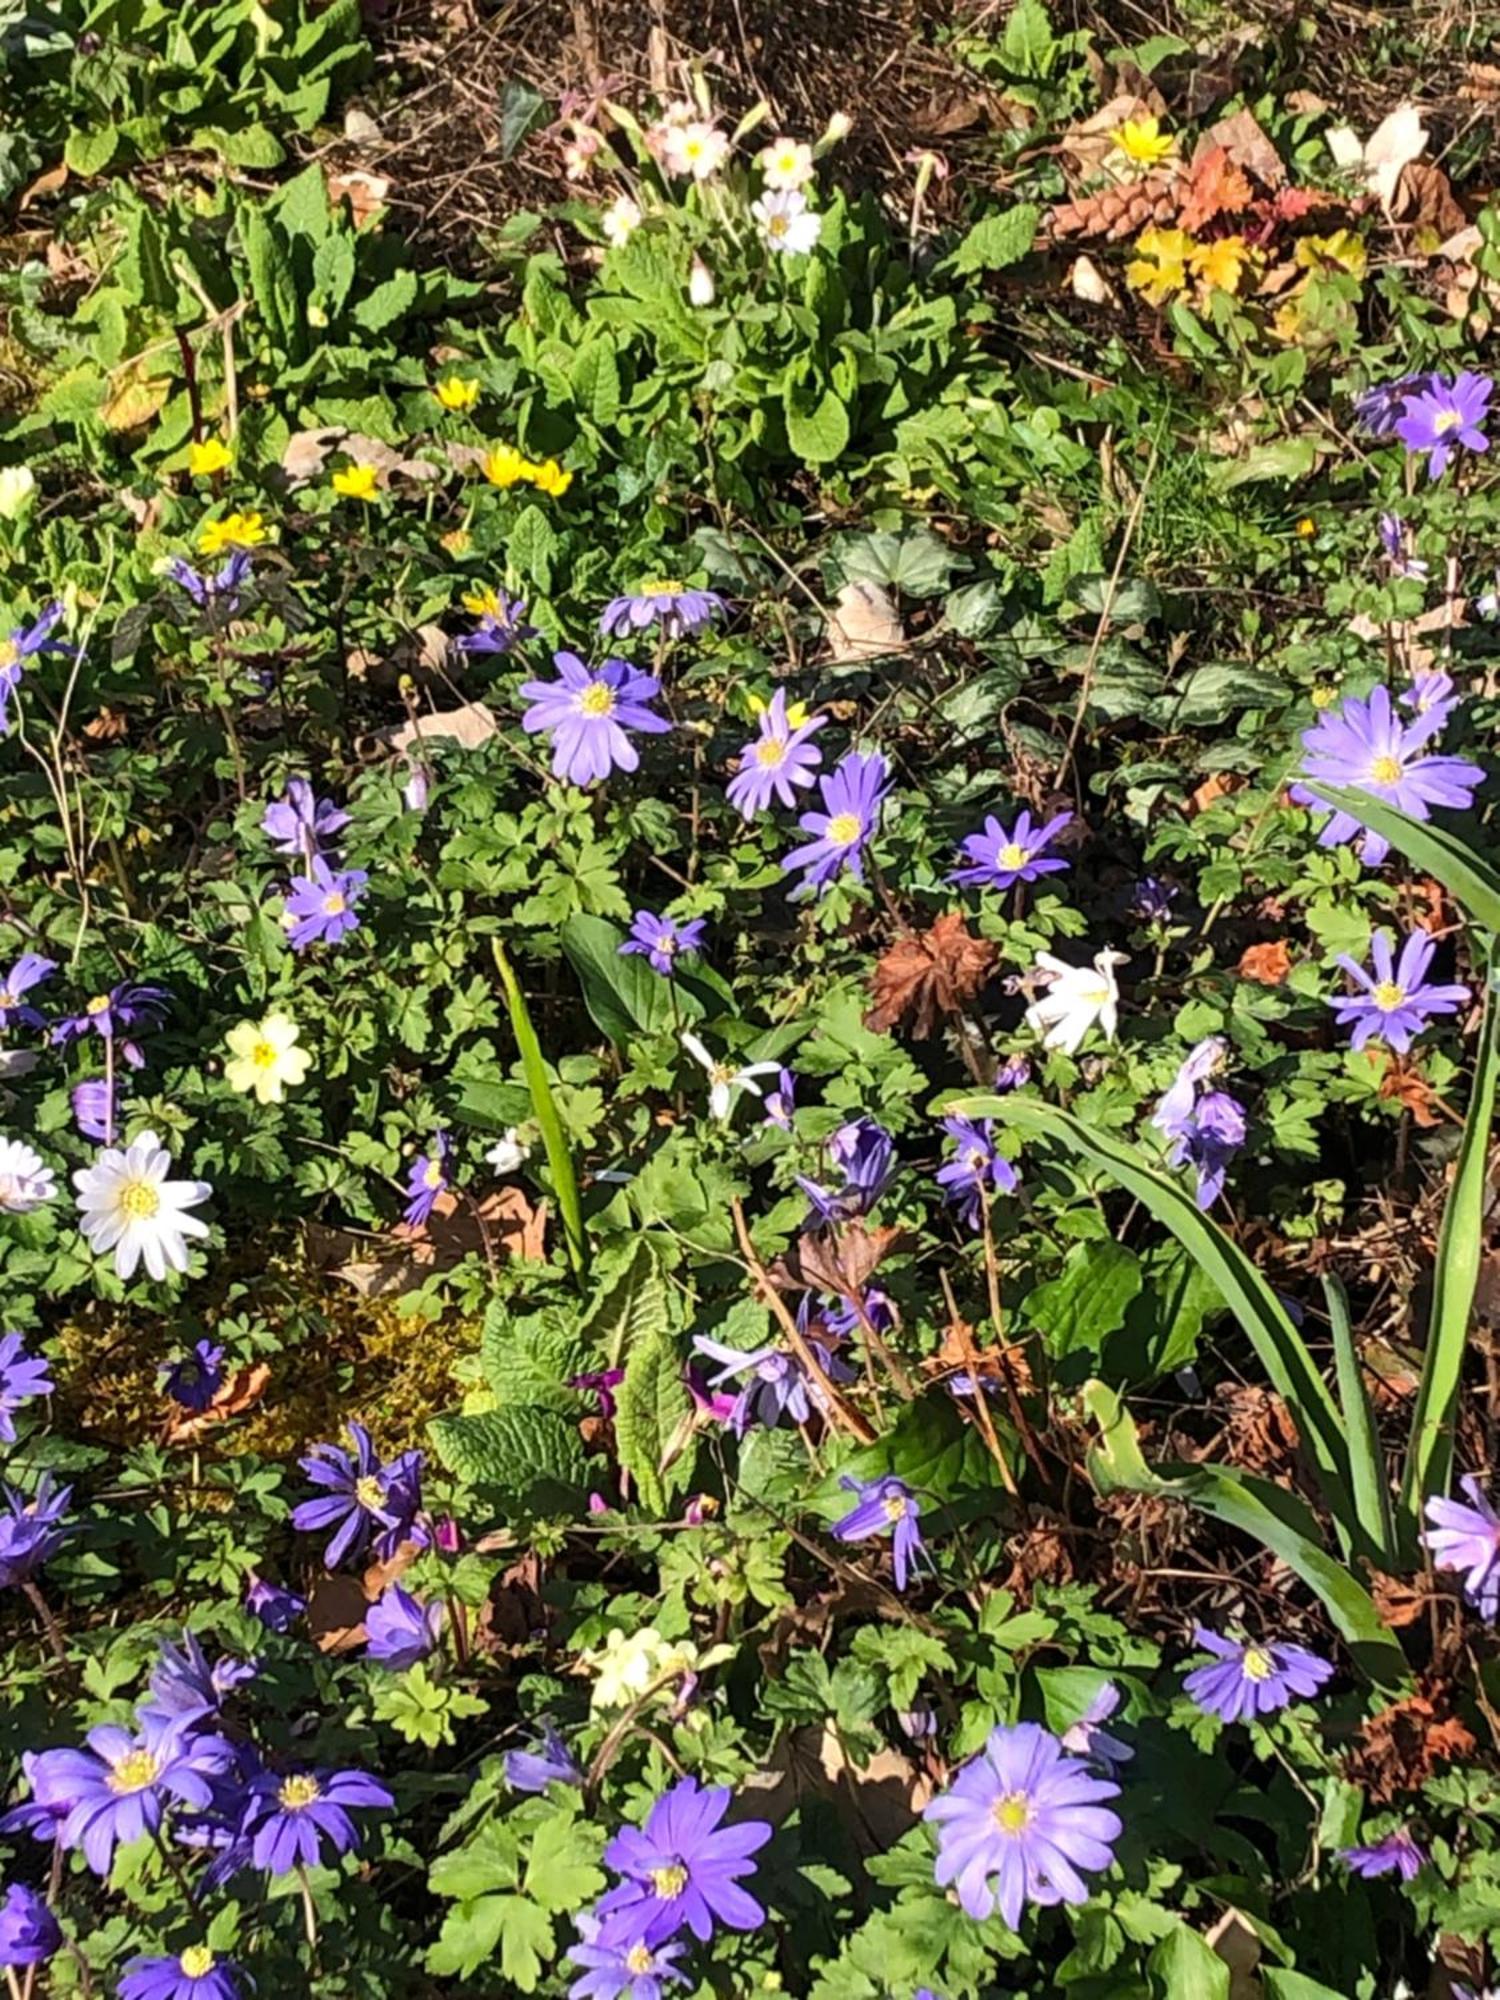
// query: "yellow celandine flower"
[[357, 482], [797, 712], [1142, 141], [1307, 526], [1219, 266], [209, 457], [483, 602], [457, 392], [1324, 697], [265, 1058], [457, 541], [504, 466], [549, 477], [1343, 250], [1159, 267], [235, 531]]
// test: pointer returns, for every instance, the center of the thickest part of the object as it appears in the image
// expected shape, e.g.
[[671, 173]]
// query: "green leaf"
[[533, 1457], [253, 146], [333, 271], [387, 303], [1367, 1473], [1165, 1319], [941, 1457], [544, 1109], [1184, 1966], [89, 152], [1088, 1302], [1285, 461], [1282, 1351], [273, 284], [522, 1932], [653, 1419], [561, 1873], [301, 209], [528, 1361], [532, 544], [996, 241], [522, 109], [491, 1860], [623, 995], [1280, 1985], [596, 380], [1469, 879], [630, 1308], [1461, 1241], [1028, 44], [817, 424], [492, 1106]]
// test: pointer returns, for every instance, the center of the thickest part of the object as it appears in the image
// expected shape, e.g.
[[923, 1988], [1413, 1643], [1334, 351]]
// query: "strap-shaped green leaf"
[[1367, 1472], [554, 1138]]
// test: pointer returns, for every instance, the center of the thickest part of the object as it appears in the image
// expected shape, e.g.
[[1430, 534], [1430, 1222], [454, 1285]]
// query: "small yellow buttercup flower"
[[235, 531], [505, 466], [1220, 265], [1307, 526], [209, 457], [1159, 267], [357, 482], [797, 712], [457, 392], [265, 1058], [483, 602], [1142, 141], [549, 477]]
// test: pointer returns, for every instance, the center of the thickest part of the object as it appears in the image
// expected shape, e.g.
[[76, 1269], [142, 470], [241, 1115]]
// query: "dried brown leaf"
[[1215, 187], [1425, 201], [1268, 963], [929, 975], [241, 1392], [468, 726], [1403, 1746], [865, 623], [1246, 144]]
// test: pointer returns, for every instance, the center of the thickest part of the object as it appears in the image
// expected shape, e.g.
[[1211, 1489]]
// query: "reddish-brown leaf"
[[1400, 1748], [1268, 964], [1215, 187], [240, 1393], [1408, 1088], [1218, 786], [927, 975]]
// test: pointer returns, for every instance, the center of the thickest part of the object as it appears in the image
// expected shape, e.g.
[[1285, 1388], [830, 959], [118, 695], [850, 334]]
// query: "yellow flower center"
[[896, 1507], [136, 1770], [1013, 1814], [669, 1882], [264, 1055], [139, 1200], [1012, 856], [1257, 1664], [638, 1959], [1387, 996], [98, 1005], [1386, 770], [197, 1961], [434, 1174], [598, 698], [1450, 420], [334, 905], [845, 828], [770, 752], [660, 586], [370, 1493], [777, 224], [10, 652], [484, 602], [295, 1793], [692, 149]]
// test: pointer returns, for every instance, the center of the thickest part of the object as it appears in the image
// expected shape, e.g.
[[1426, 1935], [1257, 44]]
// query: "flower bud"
[[701, 283]]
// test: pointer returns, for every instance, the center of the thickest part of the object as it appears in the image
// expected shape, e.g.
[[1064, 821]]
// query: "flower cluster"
[[320, 902]]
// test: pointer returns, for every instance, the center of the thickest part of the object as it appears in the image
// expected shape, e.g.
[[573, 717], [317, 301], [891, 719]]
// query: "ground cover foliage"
[[747, 881]]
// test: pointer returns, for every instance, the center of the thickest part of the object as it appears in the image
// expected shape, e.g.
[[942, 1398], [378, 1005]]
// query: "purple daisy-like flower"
[[1089, 1739], [23, 644], [93, 1108], [29, 971], [1379, 407], [782, 759], [195, 1379], [1206, 1127], [1394, 1002], [882, 1506], [1022, 1823], [677, 609], [277, 1609], [1467, 1537], [32, 1530], [300, 823], [361, 1495], [1247, 1680], [501, 627], [401, 1629], [587, 712], [289, 1818], [1395, 1853], [999, 859], [187, 1686], [864, 1156], [1442, 417], [682, 1868], [1367, 746], [29, 1933], [221, 591], [977, 1169], [548, 1762], [853, 794], [1394, 542], [781, 1101], [194, 1974], [320, 906], [117, 1016], [118, 1787], [662, 940], [623, 1966], [426, 1179], [779, 1388], [23, 1377], [1431, 693]]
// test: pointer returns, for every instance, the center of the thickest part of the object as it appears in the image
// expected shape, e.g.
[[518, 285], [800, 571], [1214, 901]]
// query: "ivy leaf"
[[1088, 1301]]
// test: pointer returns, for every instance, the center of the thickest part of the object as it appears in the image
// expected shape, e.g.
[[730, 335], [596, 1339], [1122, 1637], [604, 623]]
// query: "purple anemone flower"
[[300, 823], [1394, 1003], [1379, 407], [677, 610], [1206, 1127], [29, 1933], [195, 1379], [23, 1377], [195, 1974], [1395, 1853], [1246, 1680], [1430, 694], [548, 1762], [853, 794], [502, 626], [662, 940], [426, 1179], [1151, 900], [117, 1789], [781, 1101], [288, 1819], [219, 592], [1022, 1823], [93, 1109], [362, 1495], [1442, 417], [187, 1686], [587, 712], [683, 1868], [881, 1506], [1089, 1739], [115, 1016], [1367, 746], [401, 1629], [779, 1388], [29, 970], [1467, 1537], [976, 1170], [32, 1531], [277, 1609], [999, 859], [1394, 540], [864, 1155], [320, 905], [623, 1967], [22, 644], [783, 757]]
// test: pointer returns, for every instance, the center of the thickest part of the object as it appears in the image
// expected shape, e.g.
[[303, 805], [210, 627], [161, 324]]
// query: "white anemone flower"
[[507, 1155], [786, 163], [725, 1081], [26, 1181], [697, 148], [1077, 997], [620, 221], [786, 223], [127, 1204]]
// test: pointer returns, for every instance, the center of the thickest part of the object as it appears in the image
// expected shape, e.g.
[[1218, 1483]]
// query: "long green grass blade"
[[1367, 1473], [1467, 876], [554, 1137], [1429, 1457], [1280, 1347], [1275, 1518]]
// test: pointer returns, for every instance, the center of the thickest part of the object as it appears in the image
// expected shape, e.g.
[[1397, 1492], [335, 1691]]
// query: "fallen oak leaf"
[[1406, 1087], [1215, 187]]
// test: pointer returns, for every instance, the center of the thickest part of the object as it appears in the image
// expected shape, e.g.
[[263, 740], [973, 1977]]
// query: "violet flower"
[[1206, 1127], [586, 712], [119, 1786], [32, 1531], [1441, 417], [1395, 1853], [1394, 1002], [29, 971], [998, 860], [362, 1495], [677, 609], [289, 1819], [320, 905], [115, 1016], [885, 1505], [682, 1868], [977, 1169], [1467, 1537], [22, 645], [1367, 746], [853, 794], [548, 1762], [23, 1377], [1245, 1681], [194, 1380], [402, 1630], [299, 823], [663, 940], [277, 1609], [864, 1155], [29, 1933], [1089, 1739], [426, 1179], [782, 759]]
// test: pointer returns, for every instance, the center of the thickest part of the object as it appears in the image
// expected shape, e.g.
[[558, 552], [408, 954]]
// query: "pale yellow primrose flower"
[[265, 1058], [786, 163]]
